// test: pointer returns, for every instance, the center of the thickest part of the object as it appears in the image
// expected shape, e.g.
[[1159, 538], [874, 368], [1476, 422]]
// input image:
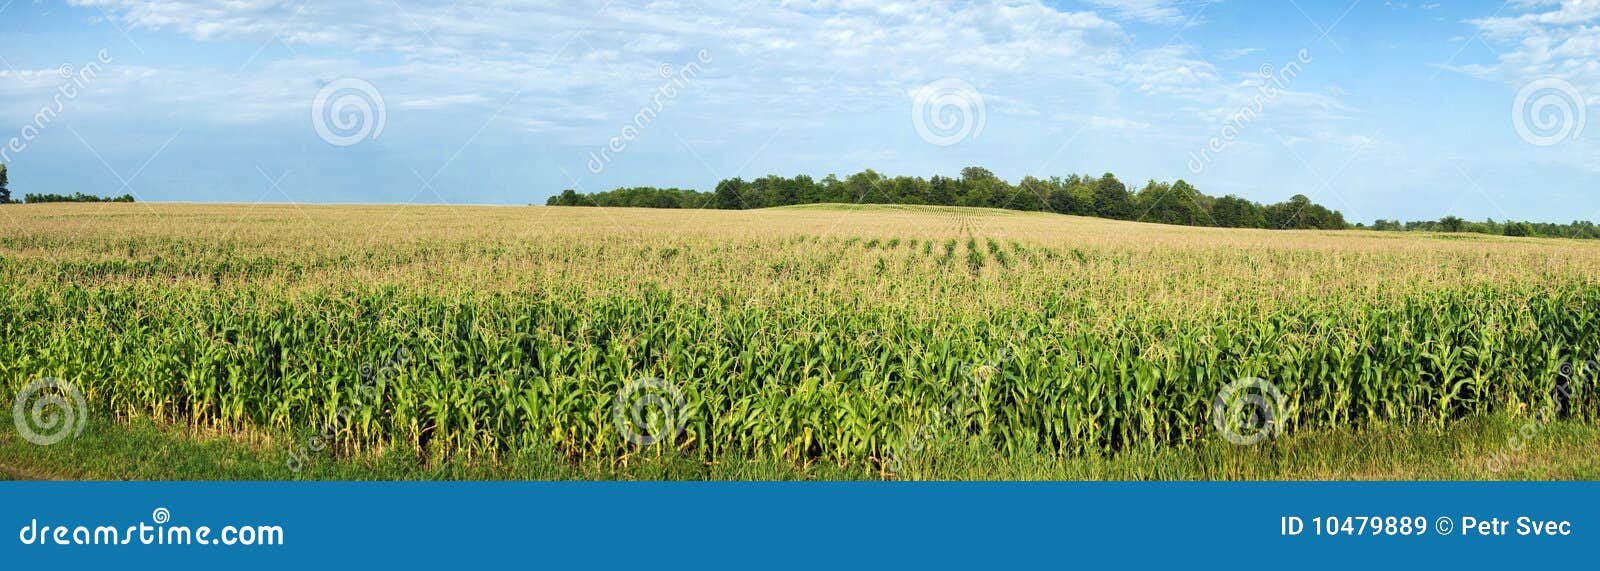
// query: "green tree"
[[805, 190], [31, 198], [942, 190], [980, 187], [1318, 216], [1154, 201], [1233, 212], [5, 191], [1289, 215], [971, 174], [1111, 198], [730, 194], [1070, 196], [1032, 195], [1452, 224], [862, 187], [1176, 203], [1520, 229], [567, 197], [1081, 195], [765, 191]]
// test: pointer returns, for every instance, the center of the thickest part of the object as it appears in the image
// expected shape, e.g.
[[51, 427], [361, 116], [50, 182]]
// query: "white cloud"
[[1544, 39], [1233, 54], [586, 59], [1165, 12], [1107, 124], [572, 73]]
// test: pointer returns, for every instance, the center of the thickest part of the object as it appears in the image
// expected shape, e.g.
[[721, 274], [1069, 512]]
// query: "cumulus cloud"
[[606, 55], [1544, 38], [570, 73], [1164, 12]]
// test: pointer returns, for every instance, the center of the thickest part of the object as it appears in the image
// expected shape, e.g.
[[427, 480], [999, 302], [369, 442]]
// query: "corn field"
[[803, 334]]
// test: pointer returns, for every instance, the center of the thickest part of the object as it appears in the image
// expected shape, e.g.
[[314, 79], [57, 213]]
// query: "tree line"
[[74, 197], [5, 194], [1580, 229], [1082, 195]]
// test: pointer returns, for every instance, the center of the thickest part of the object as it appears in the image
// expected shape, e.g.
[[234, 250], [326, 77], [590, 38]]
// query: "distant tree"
[[1176, 203], [1080, 195], [1285, 215], [863, 187], [1083, 195], [832, 190], [729, 194], [1061, 201], [1195, 203], [1031, 195], [1300, 213], [910, 190], [1520, 229], [942, 190], [1111, 198], [1577, 229], [1233, 212], [761, 192], [783, 190], [5, 191], [980, 187], [975, 193], [806, 190], [971, 174], [567, 197], [1149, 200], [74, 197], [1318, 216], [663, 199]]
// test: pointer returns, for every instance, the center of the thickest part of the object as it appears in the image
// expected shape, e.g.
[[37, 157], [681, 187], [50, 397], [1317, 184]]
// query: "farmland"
[[869, 339]]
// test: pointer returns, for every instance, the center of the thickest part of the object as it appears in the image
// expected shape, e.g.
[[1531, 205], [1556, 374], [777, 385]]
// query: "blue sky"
[[1393, 109]]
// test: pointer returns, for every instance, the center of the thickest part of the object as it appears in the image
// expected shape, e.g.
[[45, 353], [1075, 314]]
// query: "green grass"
[[144, 450]]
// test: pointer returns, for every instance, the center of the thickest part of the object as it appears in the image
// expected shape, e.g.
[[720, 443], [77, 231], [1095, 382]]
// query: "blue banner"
[[764, 525]]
